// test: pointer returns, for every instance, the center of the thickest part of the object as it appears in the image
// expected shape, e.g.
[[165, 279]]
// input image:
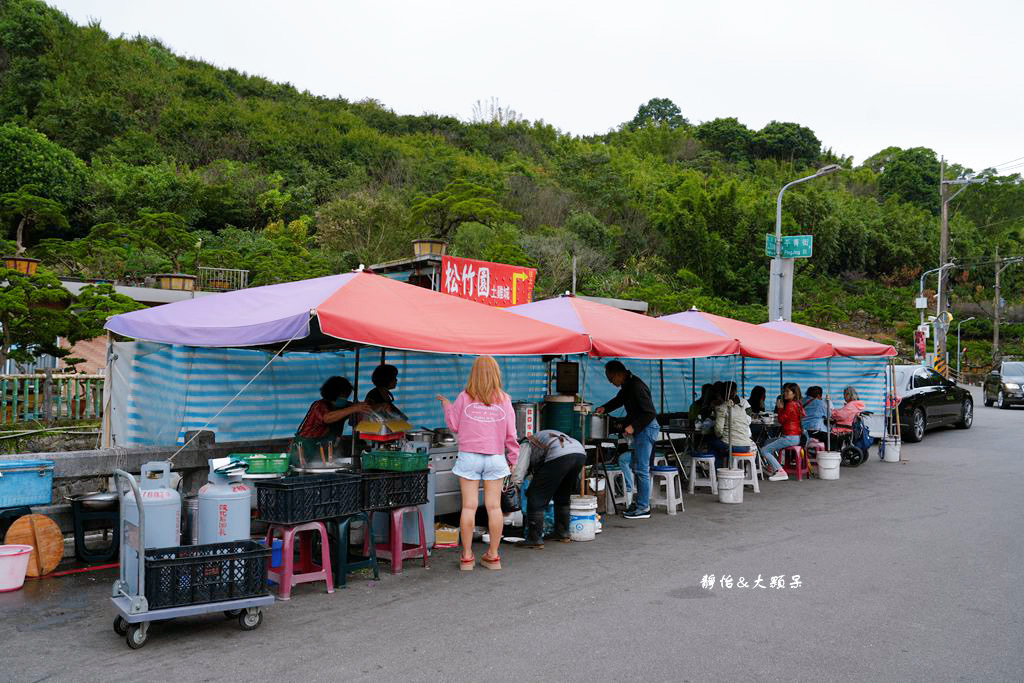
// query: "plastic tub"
[[13, 565], [891, 449], [828, 464], [582, 518], [730, 485]]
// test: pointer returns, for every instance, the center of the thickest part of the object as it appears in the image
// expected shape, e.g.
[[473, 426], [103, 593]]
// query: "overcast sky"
[[862, 74]]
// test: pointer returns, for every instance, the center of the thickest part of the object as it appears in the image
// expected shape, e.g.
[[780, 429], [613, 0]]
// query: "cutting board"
[[43, 534]]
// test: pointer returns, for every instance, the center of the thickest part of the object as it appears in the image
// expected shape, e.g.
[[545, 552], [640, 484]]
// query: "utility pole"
[[946, 195]]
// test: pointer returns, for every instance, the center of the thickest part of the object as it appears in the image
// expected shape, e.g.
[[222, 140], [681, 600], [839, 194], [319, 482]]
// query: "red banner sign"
[[494, 284]]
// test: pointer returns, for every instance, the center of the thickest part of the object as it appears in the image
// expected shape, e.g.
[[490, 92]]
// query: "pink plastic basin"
[[13, 565]]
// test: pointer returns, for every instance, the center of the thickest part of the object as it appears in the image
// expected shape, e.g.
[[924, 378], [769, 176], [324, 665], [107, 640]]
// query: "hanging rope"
[[232, 399]]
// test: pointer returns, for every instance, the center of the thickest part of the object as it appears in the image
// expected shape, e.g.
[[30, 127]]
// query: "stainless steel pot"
[[420, 437], [443, 435], [337, 465], [598, 424], [527, 418]]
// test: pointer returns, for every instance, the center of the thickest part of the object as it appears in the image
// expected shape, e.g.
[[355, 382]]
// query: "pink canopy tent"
[[844, 344], [755, 341], [346, 311], [617, 333]]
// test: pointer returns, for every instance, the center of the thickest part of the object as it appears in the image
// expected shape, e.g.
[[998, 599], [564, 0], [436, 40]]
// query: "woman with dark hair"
[[380, 398], [757, 395], [325, 420], [732, 426], [789, 419]]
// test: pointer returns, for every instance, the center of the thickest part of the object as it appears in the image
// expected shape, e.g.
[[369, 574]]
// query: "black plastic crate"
[[385, 490], [194, 574], [307, 498]]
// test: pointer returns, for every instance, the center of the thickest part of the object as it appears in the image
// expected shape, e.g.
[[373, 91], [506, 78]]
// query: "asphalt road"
[[908, 571]]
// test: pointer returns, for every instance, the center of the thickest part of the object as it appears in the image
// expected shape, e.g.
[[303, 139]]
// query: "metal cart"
[[134, 615]]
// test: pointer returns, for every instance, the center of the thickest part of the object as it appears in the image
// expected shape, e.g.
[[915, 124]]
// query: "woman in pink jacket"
[[843, 417], [485, 423]]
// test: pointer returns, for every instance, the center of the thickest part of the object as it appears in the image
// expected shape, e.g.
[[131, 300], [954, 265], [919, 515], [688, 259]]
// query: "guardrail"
[[48, 397]]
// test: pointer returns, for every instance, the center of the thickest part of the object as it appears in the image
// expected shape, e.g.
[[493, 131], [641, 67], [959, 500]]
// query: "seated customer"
[[845, 416], [732, 426], [814, 422], [757, 395], [789, 419]]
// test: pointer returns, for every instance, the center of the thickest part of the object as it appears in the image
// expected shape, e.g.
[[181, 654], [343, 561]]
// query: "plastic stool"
[[341, 562], [617, 482], [708, 460], [673, 487], [750, 463], [394, 550], [660, 461], [793, 458], [288, 574]]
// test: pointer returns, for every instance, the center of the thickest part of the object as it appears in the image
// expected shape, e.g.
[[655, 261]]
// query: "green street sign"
[[793, 246]]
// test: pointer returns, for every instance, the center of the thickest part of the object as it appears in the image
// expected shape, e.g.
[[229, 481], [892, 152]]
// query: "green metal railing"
[[49, 397]]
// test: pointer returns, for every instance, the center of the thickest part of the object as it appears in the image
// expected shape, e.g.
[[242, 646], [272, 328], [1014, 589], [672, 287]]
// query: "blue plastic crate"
[[26, 482]]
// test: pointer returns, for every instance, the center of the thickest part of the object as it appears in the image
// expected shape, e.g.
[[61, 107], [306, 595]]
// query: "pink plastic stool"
[[793, 459], [394, 550], [288, 574]]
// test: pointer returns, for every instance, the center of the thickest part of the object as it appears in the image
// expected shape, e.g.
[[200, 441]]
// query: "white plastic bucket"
[[582, 518], [730, 485], [828, 464], [13, 565], [891, 449]]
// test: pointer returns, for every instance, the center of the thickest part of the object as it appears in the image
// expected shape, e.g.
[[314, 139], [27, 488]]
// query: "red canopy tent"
[[614, 332], [755, 341], [844, 344]]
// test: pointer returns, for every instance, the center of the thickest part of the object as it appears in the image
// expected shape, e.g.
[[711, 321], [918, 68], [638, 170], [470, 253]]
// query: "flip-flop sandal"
[[466, 564], [492, 563]]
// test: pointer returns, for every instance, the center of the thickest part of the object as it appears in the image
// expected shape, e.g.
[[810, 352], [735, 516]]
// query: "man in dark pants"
[[555, 460], [641, 424]]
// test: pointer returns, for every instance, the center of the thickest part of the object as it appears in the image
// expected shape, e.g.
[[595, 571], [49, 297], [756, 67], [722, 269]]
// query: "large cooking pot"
[[443, 435], [527, 418], [598, 425]]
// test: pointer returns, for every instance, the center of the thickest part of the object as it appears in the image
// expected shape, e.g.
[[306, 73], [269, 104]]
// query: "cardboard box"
[[445, 535]]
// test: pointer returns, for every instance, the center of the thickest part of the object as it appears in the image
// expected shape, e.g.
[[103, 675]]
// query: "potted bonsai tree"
[[166, 232], [29, 209]]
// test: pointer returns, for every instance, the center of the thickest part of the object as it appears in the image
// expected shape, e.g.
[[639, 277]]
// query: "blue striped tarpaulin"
[[160, 391]]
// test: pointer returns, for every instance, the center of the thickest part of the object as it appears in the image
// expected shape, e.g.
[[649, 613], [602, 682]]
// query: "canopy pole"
[[661, 373], [828, 402], [693, 380], [355, 384], [383, 354], [743, 374], [780, 378]]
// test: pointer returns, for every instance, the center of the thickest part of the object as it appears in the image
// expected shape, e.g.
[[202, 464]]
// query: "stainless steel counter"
[[446, 484]]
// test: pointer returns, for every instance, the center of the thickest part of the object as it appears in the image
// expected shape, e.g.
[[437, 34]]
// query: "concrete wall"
[[85, 471]]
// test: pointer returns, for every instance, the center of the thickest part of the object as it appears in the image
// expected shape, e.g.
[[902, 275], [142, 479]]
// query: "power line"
[[1007, 162]]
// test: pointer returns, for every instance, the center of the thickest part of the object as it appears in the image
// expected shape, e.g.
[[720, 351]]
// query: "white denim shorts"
[[478, 466]]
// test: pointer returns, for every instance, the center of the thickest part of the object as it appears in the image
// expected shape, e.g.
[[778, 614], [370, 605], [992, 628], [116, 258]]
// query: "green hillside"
[[159, 162]]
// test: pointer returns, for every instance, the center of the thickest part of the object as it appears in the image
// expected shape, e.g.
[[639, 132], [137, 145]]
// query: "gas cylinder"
[[161, 506], [224, 511]]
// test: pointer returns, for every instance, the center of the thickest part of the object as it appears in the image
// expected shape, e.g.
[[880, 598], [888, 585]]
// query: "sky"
[[864, 75]]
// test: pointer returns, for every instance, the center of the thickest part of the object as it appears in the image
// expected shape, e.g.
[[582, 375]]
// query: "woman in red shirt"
[[789, 414]]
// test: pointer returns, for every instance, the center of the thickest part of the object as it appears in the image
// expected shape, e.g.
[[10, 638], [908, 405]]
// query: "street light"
[[778, 292], [958, 344]]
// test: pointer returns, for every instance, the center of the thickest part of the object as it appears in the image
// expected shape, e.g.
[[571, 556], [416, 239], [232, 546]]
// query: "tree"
[[728, 137], [372, 226], [29, 158], [459, 202], [657, 111], [911, 175], [30, 209], [32, 315], [787, 142], [92, 307], [166, 233]]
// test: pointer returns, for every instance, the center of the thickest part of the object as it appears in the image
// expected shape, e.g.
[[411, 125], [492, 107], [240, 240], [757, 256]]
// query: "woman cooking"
[[380, 399], [324, 421]]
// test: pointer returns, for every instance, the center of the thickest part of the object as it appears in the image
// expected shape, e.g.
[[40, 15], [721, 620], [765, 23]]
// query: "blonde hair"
[[484, 384]]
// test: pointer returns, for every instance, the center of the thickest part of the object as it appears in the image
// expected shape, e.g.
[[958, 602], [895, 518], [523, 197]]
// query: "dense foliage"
[[161, 162]]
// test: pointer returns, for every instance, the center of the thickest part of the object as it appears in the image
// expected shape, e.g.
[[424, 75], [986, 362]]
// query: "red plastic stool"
[[289, 574], [394, 550], [793, 461]]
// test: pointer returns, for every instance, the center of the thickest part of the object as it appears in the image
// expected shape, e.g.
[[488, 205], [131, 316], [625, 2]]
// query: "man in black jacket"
[[641, 424]]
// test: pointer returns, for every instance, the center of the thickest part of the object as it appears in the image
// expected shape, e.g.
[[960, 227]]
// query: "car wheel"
[[917, 422], [966, 415], [984, 396], [1001, 401]]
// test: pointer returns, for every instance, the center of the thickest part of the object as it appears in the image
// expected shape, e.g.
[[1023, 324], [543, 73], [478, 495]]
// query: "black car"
[[1004, 386], [927, 400]]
